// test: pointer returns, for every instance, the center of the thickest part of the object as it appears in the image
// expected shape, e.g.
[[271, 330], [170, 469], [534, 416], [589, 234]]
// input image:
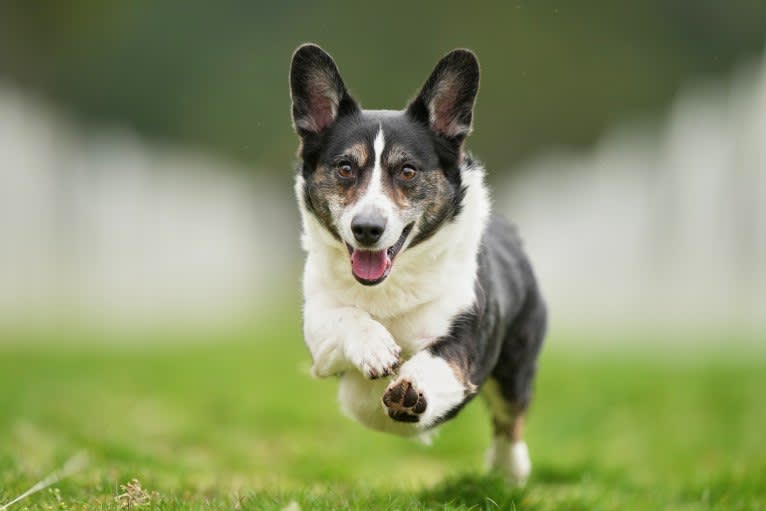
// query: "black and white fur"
[[457, 309]]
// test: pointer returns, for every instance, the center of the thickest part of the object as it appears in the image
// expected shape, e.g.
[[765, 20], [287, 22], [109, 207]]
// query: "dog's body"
[[461, 310]]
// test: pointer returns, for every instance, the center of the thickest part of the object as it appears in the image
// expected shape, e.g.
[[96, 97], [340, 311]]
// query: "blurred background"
[[147, 153], [150, 264]]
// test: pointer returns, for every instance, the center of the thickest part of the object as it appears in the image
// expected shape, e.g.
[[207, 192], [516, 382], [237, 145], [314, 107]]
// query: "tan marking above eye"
[[359, 153], [397, 156]]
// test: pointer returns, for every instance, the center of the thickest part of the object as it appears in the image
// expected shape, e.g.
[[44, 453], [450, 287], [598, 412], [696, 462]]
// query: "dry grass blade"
[[73, 465]]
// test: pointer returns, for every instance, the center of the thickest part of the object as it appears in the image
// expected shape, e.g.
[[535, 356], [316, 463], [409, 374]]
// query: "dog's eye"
[[407, 173], [345, 170]]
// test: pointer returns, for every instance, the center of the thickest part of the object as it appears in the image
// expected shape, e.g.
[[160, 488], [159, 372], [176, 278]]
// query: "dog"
[[415, 295]]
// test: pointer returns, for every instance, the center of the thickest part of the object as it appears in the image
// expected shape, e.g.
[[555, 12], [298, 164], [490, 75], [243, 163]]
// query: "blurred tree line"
[[215, 73]]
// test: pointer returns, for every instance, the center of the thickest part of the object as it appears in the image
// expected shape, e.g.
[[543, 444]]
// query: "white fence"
[[660, 221], [106, 226]]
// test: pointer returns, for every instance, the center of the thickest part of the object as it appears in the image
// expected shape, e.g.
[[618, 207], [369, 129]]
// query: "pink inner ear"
[[321, 111], [443, 112], [443, 104], [322, 107]]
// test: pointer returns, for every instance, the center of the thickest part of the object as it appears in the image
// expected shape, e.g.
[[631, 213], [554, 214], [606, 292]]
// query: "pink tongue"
[[368, 264]]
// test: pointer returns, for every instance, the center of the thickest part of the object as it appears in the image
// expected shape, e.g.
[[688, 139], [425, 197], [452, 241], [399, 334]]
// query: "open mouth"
[[371, 267]]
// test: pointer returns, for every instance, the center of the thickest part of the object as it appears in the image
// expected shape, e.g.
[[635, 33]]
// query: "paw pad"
[[404, 402]]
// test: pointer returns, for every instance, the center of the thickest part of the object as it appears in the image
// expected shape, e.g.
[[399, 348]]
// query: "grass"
[[237, 423]]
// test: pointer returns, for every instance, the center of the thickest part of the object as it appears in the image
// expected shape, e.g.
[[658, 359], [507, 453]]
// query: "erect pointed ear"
[[318, 94], [445, 103]]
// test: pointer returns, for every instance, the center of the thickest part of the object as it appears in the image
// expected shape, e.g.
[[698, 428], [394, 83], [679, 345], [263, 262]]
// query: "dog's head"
[[381, 181]]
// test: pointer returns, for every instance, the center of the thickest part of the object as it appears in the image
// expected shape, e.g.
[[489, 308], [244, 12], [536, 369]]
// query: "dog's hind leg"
[[508, 454], [509, 391]]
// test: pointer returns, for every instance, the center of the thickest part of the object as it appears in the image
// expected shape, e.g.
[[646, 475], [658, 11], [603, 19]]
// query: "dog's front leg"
[[343, 338], [432, 385]]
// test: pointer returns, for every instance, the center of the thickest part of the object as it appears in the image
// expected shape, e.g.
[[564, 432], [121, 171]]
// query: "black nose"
[[368, 228]]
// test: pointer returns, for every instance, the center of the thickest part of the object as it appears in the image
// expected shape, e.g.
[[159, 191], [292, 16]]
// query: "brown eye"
[[345, 170], [407, 173]]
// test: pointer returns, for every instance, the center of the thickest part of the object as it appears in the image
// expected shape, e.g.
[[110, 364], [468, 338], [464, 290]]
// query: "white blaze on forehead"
[[374, 197], [374, 188], [377, 146]]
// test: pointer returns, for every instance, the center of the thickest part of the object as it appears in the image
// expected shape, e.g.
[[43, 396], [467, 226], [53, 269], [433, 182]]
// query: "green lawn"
[[237, 423]]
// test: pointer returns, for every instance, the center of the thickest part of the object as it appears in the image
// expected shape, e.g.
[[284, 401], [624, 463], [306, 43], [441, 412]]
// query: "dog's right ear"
[[317, 90]]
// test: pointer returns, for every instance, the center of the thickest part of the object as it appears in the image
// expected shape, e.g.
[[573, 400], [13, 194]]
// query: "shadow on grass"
[[474, 492], [552, 474], [488, 491]]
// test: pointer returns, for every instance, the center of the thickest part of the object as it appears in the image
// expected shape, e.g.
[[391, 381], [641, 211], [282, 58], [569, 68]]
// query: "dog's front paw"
[[376, 354], [404, 402]]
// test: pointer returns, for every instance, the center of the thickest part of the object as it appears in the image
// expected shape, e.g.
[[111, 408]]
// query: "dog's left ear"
[[445, 103], [317, 90]]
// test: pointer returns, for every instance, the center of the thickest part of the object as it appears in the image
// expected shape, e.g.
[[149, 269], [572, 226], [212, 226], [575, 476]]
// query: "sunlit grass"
[[236, 422]]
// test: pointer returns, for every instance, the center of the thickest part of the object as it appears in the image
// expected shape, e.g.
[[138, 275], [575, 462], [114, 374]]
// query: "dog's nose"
[[368, 227]]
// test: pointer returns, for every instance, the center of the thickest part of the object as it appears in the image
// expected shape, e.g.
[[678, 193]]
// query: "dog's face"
[[381, 181]]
